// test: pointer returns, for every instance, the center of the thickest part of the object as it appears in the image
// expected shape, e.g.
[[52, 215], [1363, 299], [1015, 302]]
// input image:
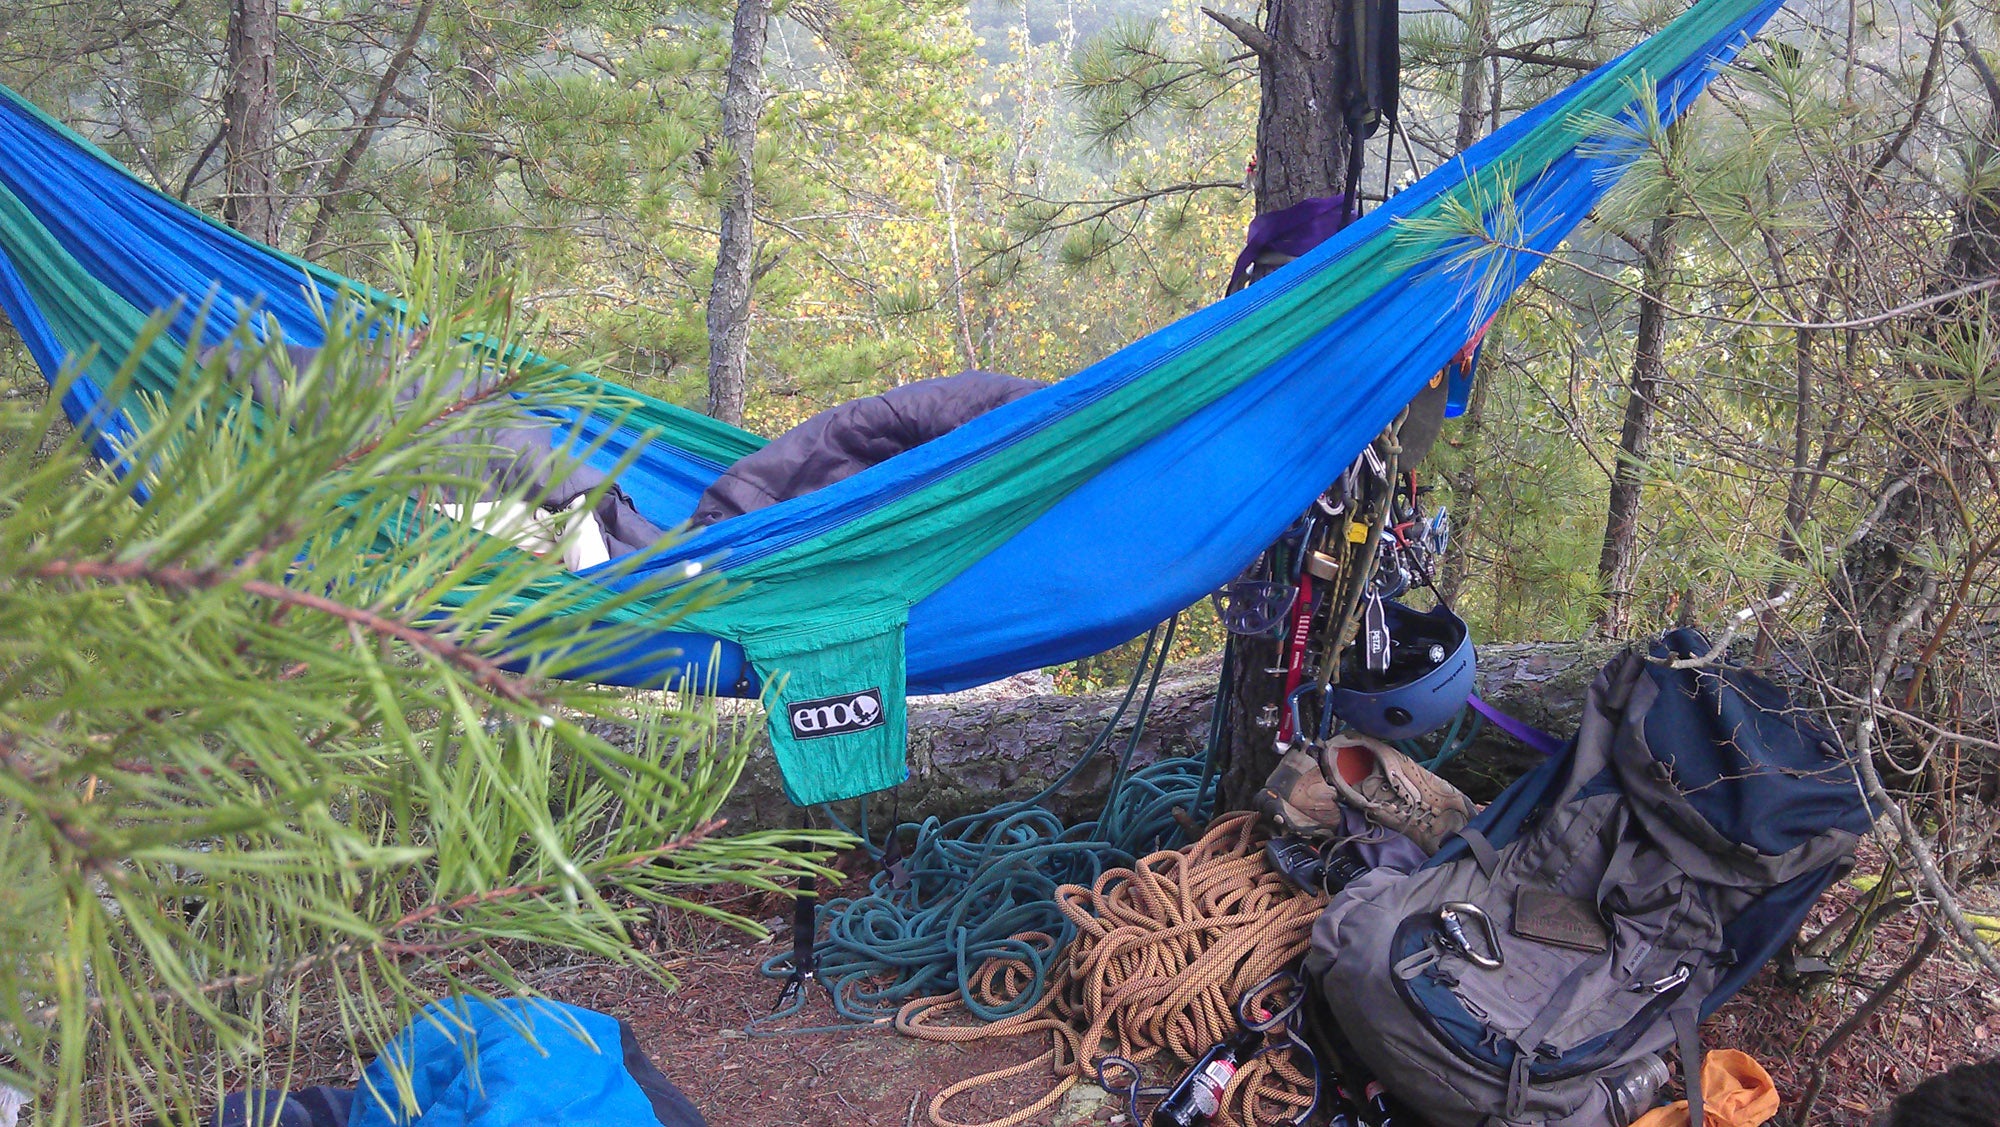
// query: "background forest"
[[1757, 392], [1026, 187]]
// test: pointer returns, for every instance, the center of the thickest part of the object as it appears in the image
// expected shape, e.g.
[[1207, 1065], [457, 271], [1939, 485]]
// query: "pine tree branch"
[[1250, 34], [1540, 58], [484, 671], [1869, 321], [503, 386], [383, 943]]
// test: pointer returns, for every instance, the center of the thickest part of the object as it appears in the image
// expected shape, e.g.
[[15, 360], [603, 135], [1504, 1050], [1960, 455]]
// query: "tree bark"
[[972, 751], [1302, 139], [1302, 153], [250, 103], [736, 250], [1472, 117], [1628, 478], [1472, 75]]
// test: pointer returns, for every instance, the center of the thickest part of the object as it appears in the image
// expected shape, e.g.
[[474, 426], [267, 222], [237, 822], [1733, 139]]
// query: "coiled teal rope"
[[976, 885]]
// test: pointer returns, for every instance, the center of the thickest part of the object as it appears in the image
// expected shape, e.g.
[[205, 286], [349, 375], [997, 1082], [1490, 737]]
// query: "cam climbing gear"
[[1254, 607]]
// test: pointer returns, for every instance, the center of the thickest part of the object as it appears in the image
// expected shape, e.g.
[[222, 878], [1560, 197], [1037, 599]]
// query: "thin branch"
[[344, 171], [1860, 1015], [1567, 62], [382, 943], [1978, 60], [1871, 781], [1252, 36], [1870, 321]]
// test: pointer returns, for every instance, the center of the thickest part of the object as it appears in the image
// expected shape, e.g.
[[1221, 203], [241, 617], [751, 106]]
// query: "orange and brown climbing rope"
[[1162, 952]]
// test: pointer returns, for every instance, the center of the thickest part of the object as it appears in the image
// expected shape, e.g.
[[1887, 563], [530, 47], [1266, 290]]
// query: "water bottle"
[[1194, 1101], [1635, 1093]]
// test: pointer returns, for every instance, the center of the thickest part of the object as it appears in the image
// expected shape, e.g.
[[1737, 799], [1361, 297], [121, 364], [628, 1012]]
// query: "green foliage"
[[259, 736]]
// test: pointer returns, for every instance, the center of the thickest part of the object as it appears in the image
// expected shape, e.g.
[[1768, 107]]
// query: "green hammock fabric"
[[1054, 527]]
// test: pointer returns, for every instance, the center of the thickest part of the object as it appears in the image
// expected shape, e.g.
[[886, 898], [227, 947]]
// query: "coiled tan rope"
[[1162, 952]]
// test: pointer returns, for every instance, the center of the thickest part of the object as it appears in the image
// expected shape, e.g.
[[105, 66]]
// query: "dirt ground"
[[870, 1075], [1944, 1017]]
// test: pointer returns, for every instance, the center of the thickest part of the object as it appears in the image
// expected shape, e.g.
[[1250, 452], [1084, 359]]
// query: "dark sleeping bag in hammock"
[[513, 460], [841, 441]]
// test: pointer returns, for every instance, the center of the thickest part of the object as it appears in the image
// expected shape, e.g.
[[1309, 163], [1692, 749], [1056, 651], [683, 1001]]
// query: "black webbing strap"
[[1487, 857], [1687, 1029], [805, 930]]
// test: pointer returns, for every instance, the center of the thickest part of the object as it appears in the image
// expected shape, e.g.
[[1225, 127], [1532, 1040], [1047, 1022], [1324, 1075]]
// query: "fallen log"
[[973, 750]]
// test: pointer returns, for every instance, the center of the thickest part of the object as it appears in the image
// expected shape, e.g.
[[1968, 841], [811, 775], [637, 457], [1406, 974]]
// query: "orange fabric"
[[1735, 1092]]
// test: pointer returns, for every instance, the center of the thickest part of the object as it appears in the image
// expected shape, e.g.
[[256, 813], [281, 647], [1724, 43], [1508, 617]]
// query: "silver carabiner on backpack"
[[1451, 917]]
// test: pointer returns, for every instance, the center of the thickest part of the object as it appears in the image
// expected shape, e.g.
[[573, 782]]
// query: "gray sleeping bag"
[[515, 459], [841, 441]]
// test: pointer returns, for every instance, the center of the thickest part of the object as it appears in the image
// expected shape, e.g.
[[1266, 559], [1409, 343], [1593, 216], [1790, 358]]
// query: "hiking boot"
[[1297, 796], [1393, 790]]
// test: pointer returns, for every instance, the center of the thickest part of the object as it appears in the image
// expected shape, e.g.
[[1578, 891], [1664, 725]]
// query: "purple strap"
[[1527, 733], [1292, 232]]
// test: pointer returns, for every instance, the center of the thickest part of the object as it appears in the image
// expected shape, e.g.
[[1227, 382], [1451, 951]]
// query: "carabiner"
[[1450, 921], [1272, 1019]]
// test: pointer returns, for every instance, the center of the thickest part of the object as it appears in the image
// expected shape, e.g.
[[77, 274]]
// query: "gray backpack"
[[1600, 907]]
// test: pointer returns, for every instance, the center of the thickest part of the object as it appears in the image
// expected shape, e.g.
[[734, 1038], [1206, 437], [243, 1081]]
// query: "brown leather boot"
[[1393, 790], [1297, 796]]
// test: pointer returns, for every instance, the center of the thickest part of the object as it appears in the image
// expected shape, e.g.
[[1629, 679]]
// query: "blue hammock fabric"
[[1055, 527]]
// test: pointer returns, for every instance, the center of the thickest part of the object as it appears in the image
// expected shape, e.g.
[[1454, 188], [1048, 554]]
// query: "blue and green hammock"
[[1052, 528]]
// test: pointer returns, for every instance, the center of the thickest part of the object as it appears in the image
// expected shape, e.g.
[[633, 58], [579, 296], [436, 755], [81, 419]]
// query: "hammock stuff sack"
[[1051, 528]]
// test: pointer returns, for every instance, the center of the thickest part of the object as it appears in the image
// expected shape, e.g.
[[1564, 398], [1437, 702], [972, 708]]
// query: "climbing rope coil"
[[967, 890], [1162, 951]]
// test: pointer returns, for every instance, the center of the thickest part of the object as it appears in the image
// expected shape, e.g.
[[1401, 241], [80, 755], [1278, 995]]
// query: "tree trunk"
[[1302, 149], [736, 250], [250, 102], [1628, 478], [1472, 75], [1472, 117]]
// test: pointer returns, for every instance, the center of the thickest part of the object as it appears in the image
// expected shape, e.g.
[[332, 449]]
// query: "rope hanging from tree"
[[1162, 952]]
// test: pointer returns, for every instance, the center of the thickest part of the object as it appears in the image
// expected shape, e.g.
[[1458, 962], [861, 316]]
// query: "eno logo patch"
[[836, 716]]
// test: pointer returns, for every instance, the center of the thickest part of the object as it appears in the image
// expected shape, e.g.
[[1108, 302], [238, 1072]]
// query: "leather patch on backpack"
[[1558, 920]]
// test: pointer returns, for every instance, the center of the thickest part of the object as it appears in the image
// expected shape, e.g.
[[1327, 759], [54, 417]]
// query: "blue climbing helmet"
[[1428, 676]]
